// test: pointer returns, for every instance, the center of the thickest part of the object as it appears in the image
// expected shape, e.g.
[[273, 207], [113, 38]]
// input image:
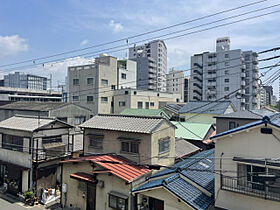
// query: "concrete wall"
[[129, 68], [248, 143], [175, 83], [70, 112], [170, 201], [223, 123]]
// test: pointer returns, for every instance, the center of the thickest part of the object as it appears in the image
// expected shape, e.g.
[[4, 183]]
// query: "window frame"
[[103, 101], [130, 144], [106, 83], [90, 78], [164, 141], [117, 198], [76, 83], [90, 101], [95, 142]]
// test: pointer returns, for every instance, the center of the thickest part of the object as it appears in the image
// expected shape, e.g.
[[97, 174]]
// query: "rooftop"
[[114, 164], [135, 124], [206, 107], [179, 179], [256, 114], [143, 112], [185, 148], [36, 106], [27, 123], [191, 131]]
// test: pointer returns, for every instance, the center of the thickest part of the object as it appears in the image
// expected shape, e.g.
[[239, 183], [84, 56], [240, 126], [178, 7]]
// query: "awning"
[[84, 177], [118, 195], [258, 161], [101, 171], [53, 145], [14, 165]]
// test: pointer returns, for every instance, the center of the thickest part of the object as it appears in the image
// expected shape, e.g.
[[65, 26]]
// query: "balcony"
[[197, 72], [198, 65], [213, 75], [243, 75], [211, 84], [243, 66], [242, 186], [197, 92], [243, 83], [197, 85], [255, 60], [211, 92], [197, 78], [255, 84]]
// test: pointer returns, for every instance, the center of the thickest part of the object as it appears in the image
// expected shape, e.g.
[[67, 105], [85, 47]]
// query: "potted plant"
[[30, 198]]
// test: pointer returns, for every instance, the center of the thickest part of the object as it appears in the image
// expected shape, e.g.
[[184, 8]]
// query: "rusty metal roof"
[[83, 177], [119, 166]]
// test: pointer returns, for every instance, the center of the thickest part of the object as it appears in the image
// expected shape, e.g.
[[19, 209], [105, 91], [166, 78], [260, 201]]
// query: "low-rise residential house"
[[141, 99], [145, 112], [30, 151], [101, 182], [188, 184], [145, 140], [247, 158], [235, 119], [205, 111], [195, 133], [173, 110]]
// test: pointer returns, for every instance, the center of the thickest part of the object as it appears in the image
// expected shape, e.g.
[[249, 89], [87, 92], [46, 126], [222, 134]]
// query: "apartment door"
[[156, 204], [91, 196]]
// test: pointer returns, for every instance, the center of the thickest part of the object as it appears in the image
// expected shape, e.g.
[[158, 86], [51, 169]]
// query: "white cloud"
[[116, 27], [11, 45], [84, 42]]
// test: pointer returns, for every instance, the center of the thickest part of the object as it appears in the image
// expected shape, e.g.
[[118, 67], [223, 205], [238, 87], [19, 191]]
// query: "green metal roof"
[[143, 112], [192, 131]]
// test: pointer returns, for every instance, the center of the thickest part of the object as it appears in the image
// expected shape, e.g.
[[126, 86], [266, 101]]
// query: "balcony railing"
[[242, 186]]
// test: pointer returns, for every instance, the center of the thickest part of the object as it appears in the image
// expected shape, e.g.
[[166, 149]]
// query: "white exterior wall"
[[130, 72], [175, 83], [248, 143]]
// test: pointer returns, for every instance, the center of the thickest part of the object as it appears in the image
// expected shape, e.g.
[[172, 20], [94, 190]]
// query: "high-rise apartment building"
[[175, 82], [152, 55], [214, 75], [186, 89], [27, 81]]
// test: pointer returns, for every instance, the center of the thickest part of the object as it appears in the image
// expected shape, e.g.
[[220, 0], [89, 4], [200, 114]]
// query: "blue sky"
[[32, 28]]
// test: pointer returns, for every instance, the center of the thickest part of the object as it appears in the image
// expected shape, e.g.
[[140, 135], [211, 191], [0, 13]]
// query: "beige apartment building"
[[247, 159], [142, 99], [175, 83]]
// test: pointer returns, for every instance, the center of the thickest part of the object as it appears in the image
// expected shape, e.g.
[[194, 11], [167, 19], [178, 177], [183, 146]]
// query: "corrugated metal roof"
[[125, 170], [191, 131], [256, 114], [135, 124], [198, 169], [25, 123], [83, 177], [205, 107]]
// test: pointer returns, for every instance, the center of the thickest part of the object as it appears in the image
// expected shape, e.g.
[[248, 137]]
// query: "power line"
[[137, 35], [169, 38]]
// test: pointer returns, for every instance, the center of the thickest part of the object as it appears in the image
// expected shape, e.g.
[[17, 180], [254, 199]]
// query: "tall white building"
[[175, 82], [158, 52], [216, 74]]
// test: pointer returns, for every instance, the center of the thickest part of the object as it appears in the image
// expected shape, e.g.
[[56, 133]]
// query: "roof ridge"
[[130, 116], [34, 117]]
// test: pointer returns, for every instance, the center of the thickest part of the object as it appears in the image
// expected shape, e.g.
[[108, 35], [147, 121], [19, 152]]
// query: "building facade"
[[186, 89], [23, 94], [216, 74], [176, 83], [141, 99], [158, 52], [127, 70], [28, 81]]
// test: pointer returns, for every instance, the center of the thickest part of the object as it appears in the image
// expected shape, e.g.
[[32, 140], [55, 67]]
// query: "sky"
[[30, 29]]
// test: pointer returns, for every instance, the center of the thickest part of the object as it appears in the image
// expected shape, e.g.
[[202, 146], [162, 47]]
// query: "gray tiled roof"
[[25, 123], [135, 124], [36, 106], [205, 107], [185, 148], [256, 114]]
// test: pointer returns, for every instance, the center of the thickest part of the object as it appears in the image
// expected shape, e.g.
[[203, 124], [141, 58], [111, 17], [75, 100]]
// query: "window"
[[140, 105], [129, 146], [152, 104], [89, 81], [121, 103], [11, 142], [104, 100], [63, 119], [126, 92], [116, 202], [89, 98], [227, 63], [226, 88], [231, 125], [75, 98], [76, 82], [113, 87], [51, 139], [164, 145], [123, 76], [226, 55], [226, 71], [104, 82], [80, 120], [226, 80], [96, 141], [147, 105]]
